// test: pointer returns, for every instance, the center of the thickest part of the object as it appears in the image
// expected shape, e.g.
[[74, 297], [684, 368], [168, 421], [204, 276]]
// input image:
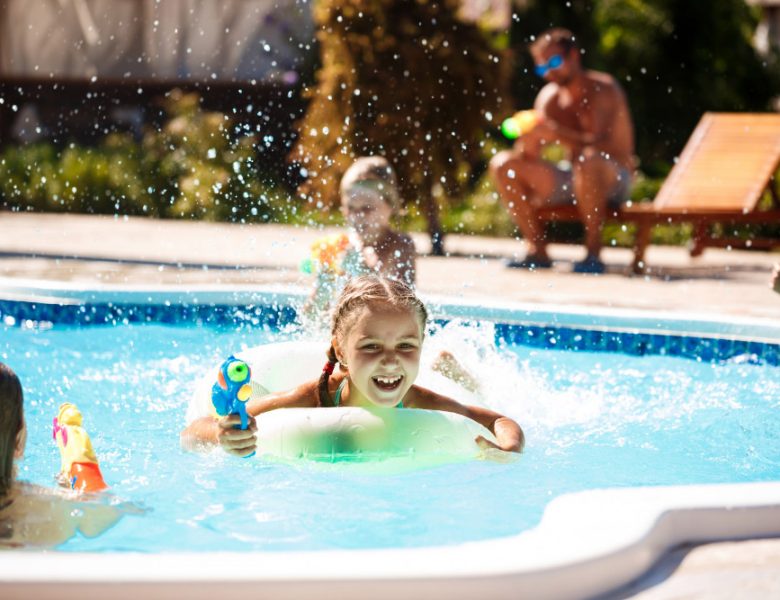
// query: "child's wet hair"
[[11, 420], [377, 173], [360, 292]]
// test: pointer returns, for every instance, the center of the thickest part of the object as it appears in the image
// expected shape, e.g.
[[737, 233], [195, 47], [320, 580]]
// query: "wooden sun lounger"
[[720, 177]]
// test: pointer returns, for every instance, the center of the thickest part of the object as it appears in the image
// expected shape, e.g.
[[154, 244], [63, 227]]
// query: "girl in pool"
[[377, 333], [31, 515], [369, 199]]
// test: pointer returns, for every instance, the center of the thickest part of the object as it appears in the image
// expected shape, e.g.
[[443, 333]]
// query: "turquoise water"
[[591, 420]]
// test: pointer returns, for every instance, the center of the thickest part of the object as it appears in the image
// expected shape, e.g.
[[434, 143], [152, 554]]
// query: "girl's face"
[[382, 355], [365, 210]]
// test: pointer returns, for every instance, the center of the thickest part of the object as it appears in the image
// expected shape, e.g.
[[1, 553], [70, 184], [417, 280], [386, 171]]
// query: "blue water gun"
[[230, 393]]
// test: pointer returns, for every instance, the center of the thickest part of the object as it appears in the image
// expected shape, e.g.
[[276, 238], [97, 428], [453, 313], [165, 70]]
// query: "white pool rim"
[[586, 544]]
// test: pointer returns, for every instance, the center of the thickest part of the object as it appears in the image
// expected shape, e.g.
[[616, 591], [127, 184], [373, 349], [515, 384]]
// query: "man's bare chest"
[[574, 113]]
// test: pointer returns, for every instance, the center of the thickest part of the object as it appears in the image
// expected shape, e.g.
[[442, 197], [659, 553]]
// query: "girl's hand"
[[485, 443], [236, 441], [491, 451]]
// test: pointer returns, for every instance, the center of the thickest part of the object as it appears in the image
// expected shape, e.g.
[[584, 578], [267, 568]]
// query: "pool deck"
[[136, 251], [107, 251]]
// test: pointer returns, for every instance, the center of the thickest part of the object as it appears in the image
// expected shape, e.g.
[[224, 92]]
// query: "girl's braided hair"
[[358, 293]]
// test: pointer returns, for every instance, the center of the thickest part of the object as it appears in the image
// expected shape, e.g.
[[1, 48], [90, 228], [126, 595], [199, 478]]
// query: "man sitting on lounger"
[[587, 113]]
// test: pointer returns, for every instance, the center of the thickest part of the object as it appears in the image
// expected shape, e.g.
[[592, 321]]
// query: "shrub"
[[196, 166]]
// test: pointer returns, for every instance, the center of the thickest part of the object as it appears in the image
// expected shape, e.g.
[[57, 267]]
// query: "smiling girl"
[[376, 339]]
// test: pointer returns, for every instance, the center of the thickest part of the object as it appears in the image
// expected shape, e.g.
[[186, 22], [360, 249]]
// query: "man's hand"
[[233, 439], [529, 145]]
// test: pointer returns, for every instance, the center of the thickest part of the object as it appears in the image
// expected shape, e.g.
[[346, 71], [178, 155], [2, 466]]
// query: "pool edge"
[[588, 543]]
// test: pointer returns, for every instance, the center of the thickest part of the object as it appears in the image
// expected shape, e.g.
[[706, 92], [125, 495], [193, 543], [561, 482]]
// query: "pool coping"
[[586, 544]]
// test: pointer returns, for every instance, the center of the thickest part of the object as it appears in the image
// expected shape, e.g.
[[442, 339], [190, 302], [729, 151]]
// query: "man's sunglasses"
[[556, 60]]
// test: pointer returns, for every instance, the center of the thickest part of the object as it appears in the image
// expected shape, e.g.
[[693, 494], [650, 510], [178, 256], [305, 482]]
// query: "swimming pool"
[[622, 406]]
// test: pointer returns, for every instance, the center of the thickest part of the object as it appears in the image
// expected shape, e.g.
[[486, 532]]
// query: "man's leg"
[[523, 185], [595, 178]]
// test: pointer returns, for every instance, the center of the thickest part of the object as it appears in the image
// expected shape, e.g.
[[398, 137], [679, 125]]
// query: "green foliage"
[[94, 180], [679, 60], [193, 167], [405, 79], [206, 172]]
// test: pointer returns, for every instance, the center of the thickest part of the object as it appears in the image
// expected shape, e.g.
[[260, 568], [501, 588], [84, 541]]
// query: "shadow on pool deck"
[[95, 250], [717, 571]]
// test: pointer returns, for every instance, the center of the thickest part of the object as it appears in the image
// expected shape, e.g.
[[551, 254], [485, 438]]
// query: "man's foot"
[[531, 262], [775, 281], [591, 264]]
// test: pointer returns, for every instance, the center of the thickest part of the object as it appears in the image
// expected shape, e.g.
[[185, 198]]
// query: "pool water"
[[591, 420]]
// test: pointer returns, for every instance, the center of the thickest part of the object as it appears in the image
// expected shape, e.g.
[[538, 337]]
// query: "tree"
[[405, 79]]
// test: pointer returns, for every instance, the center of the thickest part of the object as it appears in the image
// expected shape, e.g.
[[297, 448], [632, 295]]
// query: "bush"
[[196, 166]]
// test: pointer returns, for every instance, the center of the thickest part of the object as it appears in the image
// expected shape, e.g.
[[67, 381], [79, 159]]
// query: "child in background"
[[31, 515], [377, 333], [369, 199]]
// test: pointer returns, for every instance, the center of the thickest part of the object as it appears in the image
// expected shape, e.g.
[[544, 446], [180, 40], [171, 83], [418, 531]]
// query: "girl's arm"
[[46, 517], [212, 431], [508, 433]]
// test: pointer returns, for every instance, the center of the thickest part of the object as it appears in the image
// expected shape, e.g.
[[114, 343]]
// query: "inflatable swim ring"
[[341, 433]]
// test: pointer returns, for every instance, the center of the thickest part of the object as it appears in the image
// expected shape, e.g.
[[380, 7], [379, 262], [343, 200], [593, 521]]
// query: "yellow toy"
[[79, 464], [520, 123], [326, 254]]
